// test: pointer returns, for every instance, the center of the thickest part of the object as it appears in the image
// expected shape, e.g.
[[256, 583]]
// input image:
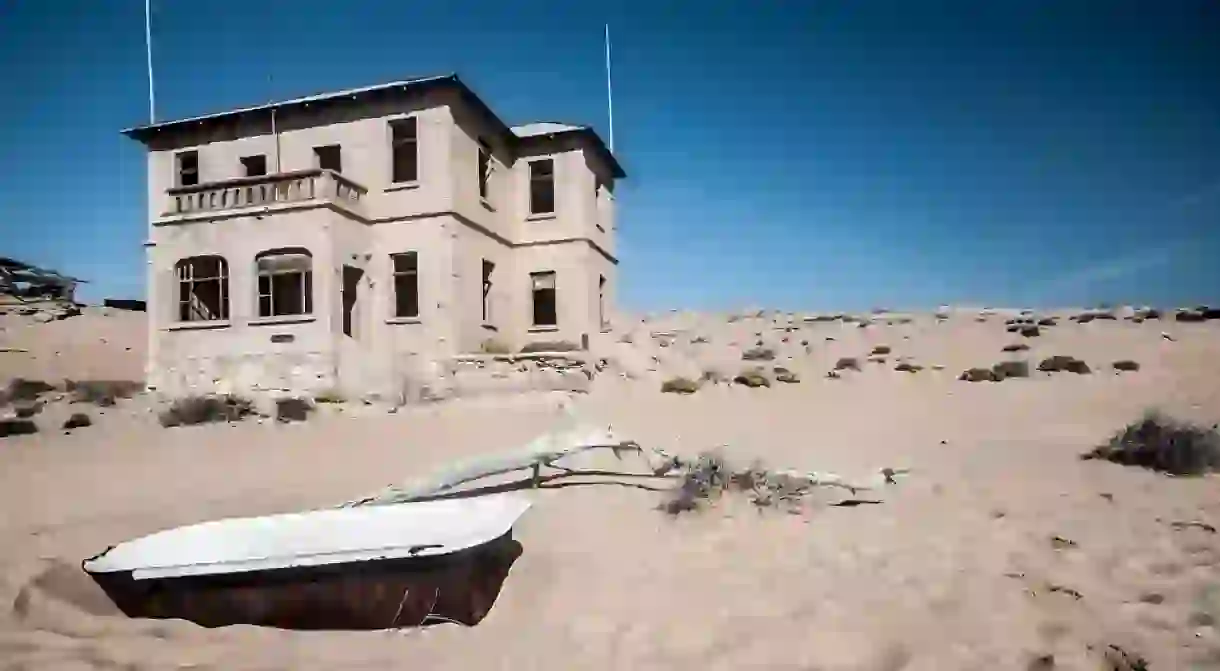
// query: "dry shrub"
[[978, 375], [880, 350], [191, 410], [758, 354], [703, 480], [786, 376], [77, 420], [1016, 347], [679, 385], [550, 346], [22, 389], [329, 396], [292, 409], [1126, 365], [753, 378], [847, 363], [1007, 369], [1164, 444], [102, 393], [1061, 363], [905, 367]]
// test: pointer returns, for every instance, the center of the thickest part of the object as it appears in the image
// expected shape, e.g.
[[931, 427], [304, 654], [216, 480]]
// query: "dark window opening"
[[542, 186], [203, 289], [285, 283], [404, 147], [351, 294], [488, 269], [484, 169], [188, 168], [601, 300], [254, 166], [329, 157], [543, 285], [406, 285]]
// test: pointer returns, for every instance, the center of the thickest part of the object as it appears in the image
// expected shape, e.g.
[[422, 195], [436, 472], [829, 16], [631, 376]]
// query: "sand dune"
[[1001, 550]]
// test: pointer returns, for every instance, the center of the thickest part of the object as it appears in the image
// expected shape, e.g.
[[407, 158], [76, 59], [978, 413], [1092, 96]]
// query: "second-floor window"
[[254, 166], [329, 157], [542, 186], [404, 148], [187, 168], [406, 285], [484, 169]]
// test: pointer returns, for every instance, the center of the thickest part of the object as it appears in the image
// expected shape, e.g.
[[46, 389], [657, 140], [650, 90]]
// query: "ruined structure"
[[353, 241]]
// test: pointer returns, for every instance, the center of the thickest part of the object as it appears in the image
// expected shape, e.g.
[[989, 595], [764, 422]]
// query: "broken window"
[[404, 146], [254, 166], [351, 297], [542, 186], [488, 269], [285, 282], [203, 289], [601, 301], [406, 285], [543, 285], [329, 157], [484, 169], [187, 168]]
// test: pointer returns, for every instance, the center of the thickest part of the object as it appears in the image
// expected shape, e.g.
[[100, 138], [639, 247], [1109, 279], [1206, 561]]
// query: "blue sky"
[[809, 155]]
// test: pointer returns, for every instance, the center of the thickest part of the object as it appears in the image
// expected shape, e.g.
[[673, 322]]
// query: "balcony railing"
[[285, 187]]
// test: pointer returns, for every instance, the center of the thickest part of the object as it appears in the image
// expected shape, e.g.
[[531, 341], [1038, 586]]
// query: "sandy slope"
[[954, 570]]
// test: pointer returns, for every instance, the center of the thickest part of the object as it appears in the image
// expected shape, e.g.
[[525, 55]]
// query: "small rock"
[[77, 420]]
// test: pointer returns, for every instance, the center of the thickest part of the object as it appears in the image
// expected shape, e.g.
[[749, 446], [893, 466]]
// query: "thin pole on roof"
[[152, 99], [274, 133], [609, 91]]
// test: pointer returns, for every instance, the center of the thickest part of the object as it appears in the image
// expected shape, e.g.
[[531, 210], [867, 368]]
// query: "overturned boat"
[[363, 567]]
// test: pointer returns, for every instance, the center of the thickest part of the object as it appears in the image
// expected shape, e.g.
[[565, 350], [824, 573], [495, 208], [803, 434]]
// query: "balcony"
[[301, 187]]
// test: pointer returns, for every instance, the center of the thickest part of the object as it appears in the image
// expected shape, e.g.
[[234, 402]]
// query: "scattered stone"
[[77, 420], [1060, 363], [1126, 365]]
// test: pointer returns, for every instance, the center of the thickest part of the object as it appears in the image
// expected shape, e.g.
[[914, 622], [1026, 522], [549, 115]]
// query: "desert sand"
[[1000, 550]]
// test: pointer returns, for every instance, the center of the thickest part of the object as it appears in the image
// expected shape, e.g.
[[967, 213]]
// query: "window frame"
[[531, 179], [184, 276], [409, 272], [319, 152], [396, 143], [306, 283], [245, 164], [535, 290], [180, 172], [489, 269]]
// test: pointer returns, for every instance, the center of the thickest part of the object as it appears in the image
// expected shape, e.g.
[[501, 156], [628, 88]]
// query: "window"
[[488, 269], [188, 168], [254, 166], [329, 157], [484, 169], [601, 301], [406, 285], [404, 146], [543, 285], [542, 186], [285, 282], [203, 289], [351, 300]]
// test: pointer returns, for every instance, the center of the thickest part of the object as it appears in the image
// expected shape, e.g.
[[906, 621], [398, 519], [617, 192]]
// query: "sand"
[[955, 568]]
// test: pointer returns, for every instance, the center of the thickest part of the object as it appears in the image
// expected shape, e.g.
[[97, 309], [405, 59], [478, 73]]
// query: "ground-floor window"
[[203, 288], [406, 285], [544, 304], [285, 282], [488, 269]]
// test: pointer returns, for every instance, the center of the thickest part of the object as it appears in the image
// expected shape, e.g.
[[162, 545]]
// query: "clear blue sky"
[[804, 155]]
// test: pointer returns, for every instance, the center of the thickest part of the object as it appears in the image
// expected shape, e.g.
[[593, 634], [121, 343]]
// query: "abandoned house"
[[349, 241]]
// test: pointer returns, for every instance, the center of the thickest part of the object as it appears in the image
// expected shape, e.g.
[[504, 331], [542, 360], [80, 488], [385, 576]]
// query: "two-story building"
[[348, 241]]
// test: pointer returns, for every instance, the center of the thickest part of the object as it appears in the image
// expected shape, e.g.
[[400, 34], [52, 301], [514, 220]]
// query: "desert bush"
[[1029, 331], [1164, 444], [1007, 369], [1061, 363], [880, 350], [832, 375], [1126, 365], [494, 346], [329, 396], [679, 385], [191, 410], [292, 409], [102, 392], [786, 376], [847, 363], [14, 426], [552, 346], [1189, 316], [978, 375], [905, 367], [77, 420], [1016, 347], [758, 354], [22, 389], [753, 378]]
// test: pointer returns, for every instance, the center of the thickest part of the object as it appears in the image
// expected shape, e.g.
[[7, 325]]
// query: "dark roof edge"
[[144, 133], [588, 133]]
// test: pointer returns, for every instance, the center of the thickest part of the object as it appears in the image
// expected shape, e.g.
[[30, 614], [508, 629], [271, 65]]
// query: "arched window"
[[285, 282], [203, 288]]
